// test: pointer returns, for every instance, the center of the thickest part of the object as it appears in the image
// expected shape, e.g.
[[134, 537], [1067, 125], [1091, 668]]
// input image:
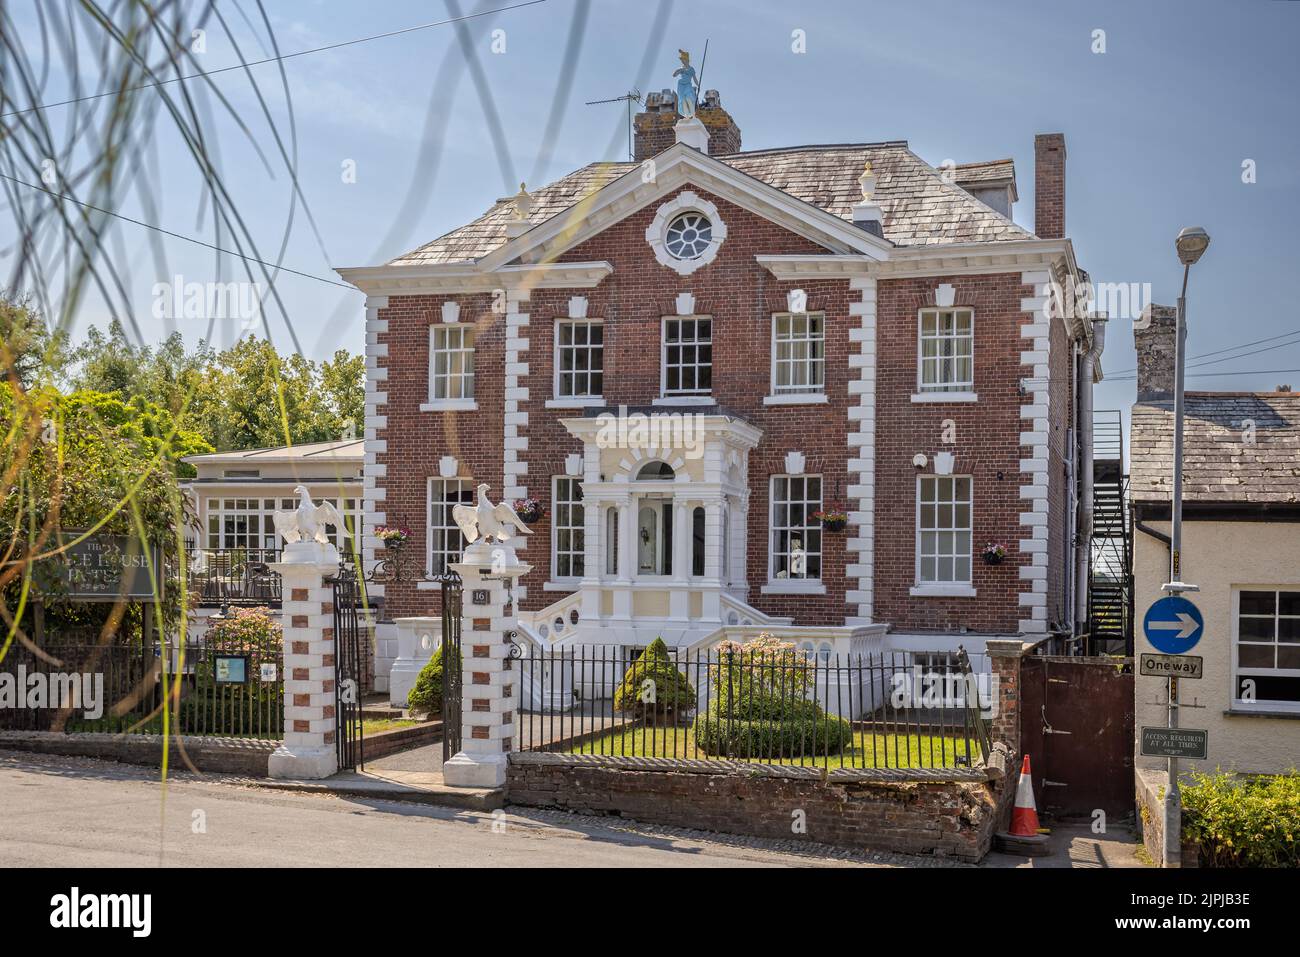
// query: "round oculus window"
[[688, 236]]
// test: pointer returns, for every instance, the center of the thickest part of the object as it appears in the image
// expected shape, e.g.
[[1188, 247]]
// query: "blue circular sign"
[[1173, 625]]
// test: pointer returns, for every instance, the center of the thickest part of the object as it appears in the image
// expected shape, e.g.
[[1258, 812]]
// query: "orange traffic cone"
[[1024, 817]]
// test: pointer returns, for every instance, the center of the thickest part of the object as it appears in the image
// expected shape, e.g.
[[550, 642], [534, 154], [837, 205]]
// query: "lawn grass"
[[867, 750], [376, 725]]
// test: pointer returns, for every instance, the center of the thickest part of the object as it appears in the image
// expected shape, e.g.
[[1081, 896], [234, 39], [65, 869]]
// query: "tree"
[[29, 350]]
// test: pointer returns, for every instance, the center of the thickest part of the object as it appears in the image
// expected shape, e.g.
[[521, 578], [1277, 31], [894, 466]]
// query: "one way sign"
[[1173, 625]]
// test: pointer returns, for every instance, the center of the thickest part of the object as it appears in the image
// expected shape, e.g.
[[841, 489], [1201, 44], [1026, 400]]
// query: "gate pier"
[[489, 693], [309, 749]]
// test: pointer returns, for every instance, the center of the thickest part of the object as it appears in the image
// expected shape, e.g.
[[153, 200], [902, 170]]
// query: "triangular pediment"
[[675, 168]]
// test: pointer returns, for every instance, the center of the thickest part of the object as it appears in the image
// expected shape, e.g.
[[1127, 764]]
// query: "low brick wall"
[[943, 813], [244, 756]]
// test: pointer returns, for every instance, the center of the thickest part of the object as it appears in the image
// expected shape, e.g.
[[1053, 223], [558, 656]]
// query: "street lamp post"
[[1191, 244]]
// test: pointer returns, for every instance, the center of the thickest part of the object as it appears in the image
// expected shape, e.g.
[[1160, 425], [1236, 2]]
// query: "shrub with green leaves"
[[653, 685], [1244, 821], [426, 696], [761, 707]]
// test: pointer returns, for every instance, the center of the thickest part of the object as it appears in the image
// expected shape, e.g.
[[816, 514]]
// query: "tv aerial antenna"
[[632, 96]]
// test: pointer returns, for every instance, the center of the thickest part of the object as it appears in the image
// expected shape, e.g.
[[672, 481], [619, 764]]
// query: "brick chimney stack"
[[1154, 339], [654, 124], [1049, 185]]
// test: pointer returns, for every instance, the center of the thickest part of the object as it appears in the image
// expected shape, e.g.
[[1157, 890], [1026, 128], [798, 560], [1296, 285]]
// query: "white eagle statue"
[[487, 521], [307, 522]]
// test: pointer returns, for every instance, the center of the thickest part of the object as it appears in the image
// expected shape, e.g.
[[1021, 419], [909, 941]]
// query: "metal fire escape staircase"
[[1110, 572]]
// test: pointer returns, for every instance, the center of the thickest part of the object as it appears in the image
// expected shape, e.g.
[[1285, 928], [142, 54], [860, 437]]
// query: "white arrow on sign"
[[1185, 625]]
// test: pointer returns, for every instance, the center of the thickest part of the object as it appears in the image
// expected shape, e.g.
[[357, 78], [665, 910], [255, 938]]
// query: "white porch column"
[[489, 696], [309, 750], [626, 560], [679, 598], [713, 559]]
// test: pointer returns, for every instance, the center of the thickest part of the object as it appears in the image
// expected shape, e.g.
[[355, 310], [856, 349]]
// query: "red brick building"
[[685, 358]]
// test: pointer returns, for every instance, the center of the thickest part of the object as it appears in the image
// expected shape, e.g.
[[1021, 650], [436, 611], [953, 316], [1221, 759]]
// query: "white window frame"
[[465, 487], [214, 508], [575, 555], [956, 588], [656, 233], [957, 390], [1264, 704], [687, 394], [797, 394], [587, 397], [464, 399], [805, 584]]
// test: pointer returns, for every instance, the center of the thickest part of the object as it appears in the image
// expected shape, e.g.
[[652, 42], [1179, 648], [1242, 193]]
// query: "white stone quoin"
[[309, 750], [489, 679]]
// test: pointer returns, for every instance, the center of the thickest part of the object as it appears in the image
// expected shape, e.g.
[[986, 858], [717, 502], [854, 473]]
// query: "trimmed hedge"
[[426, 696], [811, 733], [1243, 821], [673, 692]]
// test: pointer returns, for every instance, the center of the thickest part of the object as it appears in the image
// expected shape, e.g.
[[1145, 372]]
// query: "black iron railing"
[[783, 707], [125, 689], [234, 576]]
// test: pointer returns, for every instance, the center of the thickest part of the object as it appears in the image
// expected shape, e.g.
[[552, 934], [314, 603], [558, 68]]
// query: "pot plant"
[[994, 552], [832, 519], [529, 510]]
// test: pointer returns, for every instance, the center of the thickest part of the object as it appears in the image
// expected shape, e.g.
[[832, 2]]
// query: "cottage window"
[[1267, 649], [688, 356], [568, 528], [446, 544], [944, 530], [947, 349], [796, 550], [798, 353], [451, 362], [580, 360]]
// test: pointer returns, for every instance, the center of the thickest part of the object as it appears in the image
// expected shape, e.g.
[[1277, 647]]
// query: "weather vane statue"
[[686, 86]]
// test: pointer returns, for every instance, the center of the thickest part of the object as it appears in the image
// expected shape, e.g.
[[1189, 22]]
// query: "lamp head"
[[1191, 244]]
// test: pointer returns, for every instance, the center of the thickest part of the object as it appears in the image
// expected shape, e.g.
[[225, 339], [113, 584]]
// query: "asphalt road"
[[80, 813]]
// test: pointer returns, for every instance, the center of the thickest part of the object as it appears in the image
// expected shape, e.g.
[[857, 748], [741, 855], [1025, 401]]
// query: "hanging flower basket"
[[832, 520], [993, 553], [392, 537], [529, 510]]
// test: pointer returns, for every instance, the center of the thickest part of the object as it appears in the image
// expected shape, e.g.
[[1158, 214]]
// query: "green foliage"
[[672, 692], [86, 461], [29, 350], [1243, 821], [761, 708], [426, 695], [247, 396]]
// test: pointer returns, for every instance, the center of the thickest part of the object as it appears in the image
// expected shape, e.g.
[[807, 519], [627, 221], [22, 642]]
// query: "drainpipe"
[[1083, 537]]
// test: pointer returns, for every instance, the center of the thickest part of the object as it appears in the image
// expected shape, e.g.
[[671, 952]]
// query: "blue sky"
[[1157, 129]]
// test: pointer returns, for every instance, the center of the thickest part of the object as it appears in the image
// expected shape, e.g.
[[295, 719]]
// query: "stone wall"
[[245, 756], [934, 813]]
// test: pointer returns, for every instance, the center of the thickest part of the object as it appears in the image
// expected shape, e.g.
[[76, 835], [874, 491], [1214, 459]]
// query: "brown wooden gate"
[[1076, 725]]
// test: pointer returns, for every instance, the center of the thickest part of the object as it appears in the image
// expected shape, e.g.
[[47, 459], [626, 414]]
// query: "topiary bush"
[[1244, 821], [426, 696], [761, 708], [673, 693]]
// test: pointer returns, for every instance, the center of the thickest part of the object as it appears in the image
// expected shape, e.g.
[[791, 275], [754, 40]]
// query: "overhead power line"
[[272, 59], [168, 232]]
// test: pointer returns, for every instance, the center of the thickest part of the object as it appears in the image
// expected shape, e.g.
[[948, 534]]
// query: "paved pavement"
[[80, 812]]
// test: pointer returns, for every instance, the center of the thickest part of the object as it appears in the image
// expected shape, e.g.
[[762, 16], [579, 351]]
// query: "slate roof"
[[989, 171], [1221, 462], [919, 207]]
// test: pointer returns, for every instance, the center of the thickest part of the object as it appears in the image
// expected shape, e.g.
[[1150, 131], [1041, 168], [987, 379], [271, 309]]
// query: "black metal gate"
[[451, 664], [347, 670]]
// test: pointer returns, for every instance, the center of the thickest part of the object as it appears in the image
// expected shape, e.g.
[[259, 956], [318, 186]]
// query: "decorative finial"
[[868, 183], [523, 202]]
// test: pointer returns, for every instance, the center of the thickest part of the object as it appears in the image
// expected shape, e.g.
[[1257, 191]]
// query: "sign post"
[[1173, 625]]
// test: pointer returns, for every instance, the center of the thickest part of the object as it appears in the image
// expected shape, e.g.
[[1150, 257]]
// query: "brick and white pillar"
[[489, 679], [309, 750]]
